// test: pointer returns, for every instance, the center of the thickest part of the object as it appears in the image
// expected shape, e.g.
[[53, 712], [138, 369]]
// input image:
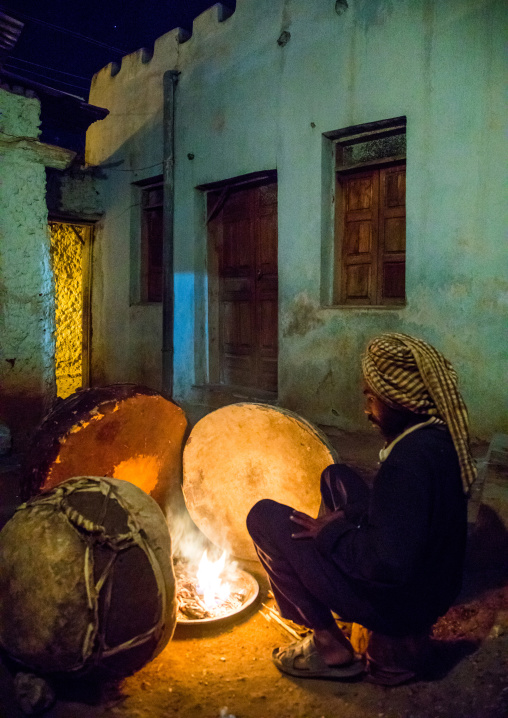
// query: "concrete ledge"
[[36, 151]]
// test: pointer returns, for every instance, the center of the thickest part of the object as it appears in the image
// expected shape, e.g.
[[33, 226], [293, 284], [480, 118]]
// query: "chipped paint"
[[302, 316]]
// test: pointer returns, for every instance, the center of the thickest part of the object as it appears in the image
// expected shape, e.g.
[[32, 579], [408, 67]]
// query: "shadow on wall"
[[127, 166], [22, 412], [487, 555]]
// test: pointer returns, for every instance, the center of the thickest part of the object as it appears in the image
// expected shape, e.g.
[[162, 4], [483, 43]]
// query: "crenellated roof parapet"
[[166, 50]]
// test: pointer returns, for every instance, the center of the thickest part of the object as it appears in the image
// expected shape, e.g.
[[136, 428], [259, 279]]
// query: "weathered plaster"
[[34, 151], [301, 317], [74, 193], [246, 103], [20, 116], [26, 289]]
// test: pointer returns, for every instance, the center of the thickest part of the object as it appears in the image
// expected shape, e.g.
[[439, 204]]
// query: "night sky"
[[64, 42]]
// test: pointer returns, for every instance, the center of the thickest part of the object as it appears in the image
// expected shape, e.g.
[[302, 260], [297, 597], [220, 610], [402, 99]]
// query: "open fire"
[[210, 586], [212, 590]]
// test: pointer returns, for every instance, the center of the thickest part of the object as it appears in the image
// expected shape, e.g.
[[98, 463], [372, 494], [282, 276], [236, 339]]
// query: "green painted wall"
[[246, 103]]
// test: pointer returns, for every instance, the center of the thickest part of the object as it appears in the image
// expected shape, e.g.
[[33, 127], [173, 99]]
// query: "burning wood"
[[358, 635], [287, 626], [212, 590]]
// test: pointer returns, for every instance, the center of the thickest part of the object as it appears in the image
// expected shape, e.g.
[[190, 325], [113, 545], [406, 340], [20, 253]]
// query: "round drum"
[[123, 431], [242, 453], [88, 574]]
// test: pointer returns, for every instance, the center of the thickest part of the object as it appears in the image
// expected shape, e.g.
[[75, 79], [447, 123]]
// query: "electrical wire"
[[12, 67], [134, 169], [45, 67], [72, 33], [8, 66]]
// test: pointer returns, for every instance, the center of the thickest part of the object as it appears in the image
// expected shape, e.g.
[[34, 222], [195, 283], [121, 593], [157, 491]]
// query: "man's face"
[[375, 409], [390, 422]]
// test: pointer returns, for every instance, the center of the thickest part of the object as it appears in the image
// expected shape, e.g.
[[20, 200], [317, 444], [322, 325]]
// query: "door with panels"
[[243, 233]]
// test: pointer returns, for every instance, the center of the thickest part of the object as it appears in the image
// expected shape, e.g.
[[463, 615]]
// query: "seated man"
[[390, 558]]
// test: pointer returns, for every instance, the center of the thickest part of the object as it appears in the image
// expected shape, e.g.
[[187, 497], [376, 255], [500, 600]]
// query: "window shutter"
[[360, 197], [392, 235]]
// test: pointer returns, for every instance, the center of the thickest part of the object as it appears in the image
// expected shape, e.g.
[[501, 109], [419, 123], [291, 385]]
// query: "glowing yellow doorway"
[[70, 248]]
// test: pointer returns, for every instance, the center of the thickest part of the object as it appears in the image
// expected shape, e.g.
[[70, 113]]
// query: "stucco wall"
[[246, 103], [26, 290], [73, 193], [128, 147]]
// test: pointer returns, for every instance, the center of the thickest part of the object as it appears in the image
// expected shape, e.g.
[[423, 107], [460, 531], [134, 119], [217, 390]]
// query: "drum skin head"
[[246, 452]]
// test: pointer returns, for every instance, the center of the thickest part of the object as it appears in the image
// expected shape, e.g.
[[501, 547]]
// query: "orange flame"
[[210, 586]]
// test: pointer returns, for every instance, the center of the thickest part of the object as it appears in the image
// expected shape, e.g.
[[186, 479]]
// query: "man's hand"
[[311, 527]]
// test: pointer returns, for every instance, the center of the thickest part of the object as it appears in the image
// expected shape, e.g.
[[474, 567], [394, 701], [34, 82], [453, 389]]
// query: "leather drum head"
[[242, 453]]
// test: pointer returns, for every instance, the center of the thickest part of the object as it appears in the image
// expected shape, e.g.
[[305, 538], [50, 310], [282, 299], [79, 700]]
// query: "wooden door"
[[360, 196], [245, 233]]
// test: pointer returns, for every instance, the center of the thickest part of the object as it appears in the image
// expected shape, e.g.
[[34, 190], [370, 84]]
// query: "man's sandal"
[[303, 660]]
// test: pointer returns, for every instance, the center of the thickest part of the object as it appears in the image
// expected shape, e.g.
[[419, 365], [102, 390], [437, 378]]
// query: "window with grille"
[[370, 215]]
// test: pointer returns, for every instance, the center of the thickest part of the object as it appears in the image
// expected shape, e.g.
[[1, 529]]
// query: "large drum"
[[86, 579], [242, 453], [123, 431]]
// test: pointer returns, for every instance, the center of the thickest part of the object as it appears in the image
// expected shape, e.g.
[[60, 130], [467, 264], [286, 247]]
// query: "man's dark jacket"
[[405, 554]]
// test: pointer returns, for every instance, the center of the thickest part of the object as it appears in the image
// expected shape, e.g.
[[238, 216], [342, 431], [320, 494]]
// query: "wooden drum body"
[[124, 431]]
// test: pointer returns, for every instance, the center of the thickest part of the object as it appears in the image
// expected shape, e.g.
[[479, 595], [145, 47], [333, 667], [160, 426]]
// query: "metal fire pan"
[[252, 594]]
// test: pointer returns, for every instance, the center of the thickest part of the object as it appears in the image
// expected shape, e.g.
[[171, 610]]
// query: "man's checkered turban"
[[407, 372]]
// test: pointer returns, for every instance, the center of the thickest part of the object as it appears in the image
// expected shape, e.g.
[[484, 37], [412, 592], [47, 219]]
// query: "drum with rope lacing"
[[86, 579]]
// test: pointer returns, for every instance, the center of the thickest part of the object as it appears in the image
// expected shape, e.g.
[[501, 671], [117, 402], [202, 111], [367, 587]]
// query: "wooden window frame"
[[151, 287], [377, 168]]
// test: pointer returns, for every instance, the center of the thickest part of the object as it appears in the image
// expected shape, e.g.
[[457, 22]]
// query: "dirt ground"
[[227, 672]]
